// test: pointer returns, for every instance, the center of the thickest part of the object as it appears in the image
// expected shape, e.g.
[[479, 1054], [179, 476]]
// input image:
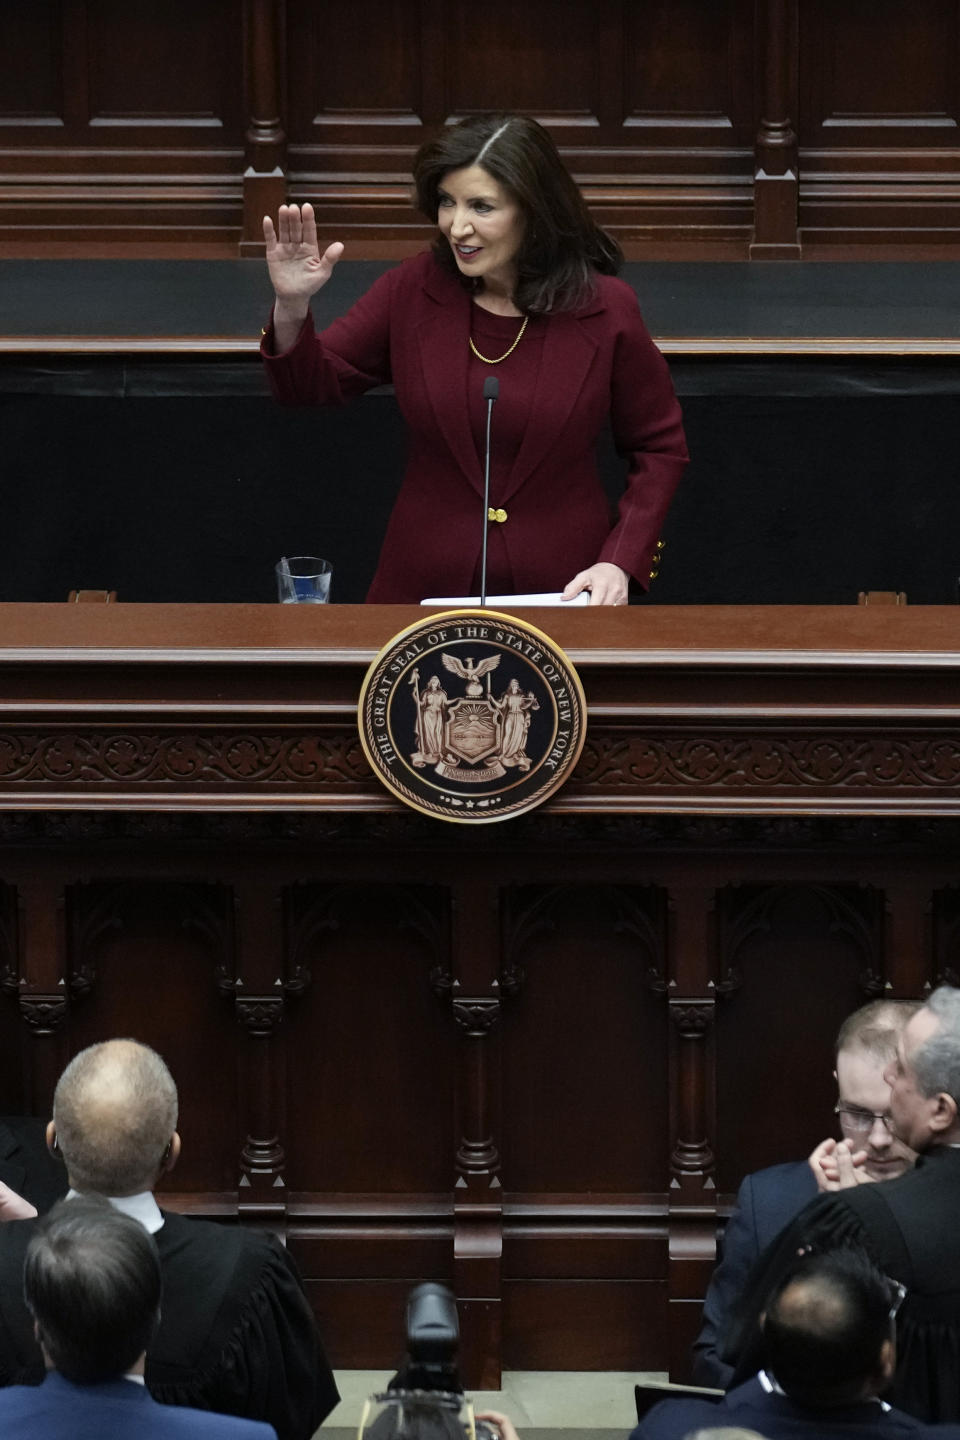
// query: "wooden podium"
[[532, 1059]]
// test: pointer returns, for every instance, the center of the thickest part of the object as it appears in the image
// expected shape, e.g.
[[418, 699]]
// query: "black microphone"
[[491, 391]]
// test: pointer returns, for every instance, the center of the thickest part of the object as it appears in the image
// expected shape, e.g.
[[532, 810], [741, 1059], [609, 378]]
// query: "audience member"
[[769, 1199], [908, 1226], [236, 1333], [828, 1347], [92, 1283]]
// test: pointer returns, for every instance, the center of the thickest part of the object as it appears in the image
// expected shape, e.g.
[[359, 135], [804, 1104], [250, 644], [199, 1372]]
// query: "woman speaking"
[[519, 284]]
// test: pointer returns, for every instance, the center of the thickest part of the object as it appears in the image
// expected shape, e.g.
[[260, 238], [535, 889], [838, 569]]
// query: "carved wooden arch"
[[313, 910], [861, 923], [637, 911], [99, 909]]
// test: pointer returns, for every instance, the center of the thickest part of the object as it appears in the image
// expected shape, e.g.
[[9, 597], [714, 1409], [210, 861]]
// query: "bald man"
[[236, 1333]]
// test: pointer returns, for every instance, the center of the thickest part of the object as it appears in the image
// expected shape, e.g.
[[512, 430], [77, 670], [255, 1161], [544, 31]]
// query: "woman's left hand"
[[607, 584]]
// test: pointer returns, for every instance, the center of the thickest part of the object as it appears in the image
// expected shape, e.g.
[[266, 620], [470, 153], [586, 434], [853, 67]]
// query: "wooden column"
[[264, 179], [259, 1007], [43, 988], [775, 182], [692, 1206], [477, 1202]]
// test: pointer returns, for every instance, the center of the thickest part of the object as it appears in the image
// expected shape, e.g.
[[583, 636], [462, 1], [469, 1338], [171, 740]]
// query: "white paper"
[[507, 602]]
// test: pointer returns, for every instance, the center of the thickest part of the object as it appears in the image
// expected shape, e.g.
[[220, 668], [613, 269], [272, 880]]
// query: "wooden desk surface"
[[832, 710]]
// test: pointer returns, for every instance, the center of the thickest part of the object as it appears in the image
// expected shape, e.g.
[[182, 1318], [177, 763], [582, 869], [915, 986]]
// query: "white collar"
[[140, 1207], [772, 1388]]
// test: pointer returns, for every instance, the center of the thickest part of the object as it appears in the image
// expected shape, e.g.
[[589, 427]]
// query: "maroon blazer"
[[412, 328]]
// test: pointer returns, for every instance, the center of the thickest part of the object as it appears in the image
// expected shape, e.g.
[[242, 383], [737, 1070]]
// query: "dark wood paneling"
[[368, 1246], [572, 1121], [168, 125], [361, 70], [941, 930], [587, 1250], [127, 943], [11, 1076], [507, 1059], [638, 103], [792, 962], [128, 81], [688, 74], [504, 64], [362, 1324], [584, 1326], [31, 64], [878, 121], [879, 74], [150, 110], [174, 67], [375, 1095]]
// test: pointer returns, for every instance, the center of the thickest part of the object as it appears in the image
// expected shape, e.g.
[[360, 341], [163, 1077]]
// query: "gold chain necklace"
[[513, 347]]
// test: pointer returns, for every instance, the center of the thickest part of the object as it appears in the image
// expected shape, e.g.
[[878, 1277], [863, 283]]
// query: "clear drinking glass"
[[303, 580]]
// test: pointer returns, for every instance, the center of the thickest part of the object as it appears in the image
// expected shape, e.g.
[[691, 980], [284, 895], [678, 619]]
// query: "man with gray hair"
[[769, 1199], [237, 1334], [908, 1226], [92, 1283]]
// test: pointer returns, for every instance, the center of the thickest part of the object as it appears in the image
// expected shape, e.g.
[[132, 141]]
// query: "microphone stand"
[[491, 390]]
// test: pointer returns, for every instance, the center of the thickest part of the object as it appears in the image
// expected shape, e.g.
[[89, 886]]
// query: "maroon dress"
[[571, 374]]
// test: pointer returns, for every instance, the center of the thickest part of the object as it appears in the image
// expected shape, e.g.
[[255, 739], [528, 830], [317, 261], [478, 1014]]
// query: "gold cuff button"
[[498, 515]]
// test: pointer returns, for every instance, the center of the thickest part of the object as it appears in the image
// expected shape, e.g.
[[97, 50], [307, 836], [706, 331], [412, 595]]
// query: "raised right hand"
[[297, 269]]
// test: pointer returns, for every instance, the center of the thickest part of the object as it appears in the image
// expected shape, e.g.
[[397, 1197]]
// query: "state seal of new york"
[[472, 715]]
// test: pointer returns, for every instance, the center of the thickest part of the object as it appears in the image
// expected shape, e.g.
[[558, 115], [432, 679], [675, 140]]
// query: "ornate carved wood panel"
[[533, 1061]]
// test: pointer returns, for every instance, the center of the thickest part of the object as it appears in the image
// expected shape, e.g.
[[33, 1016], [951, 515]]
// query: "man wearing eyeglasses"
[[909, 1226], [769, 1199]]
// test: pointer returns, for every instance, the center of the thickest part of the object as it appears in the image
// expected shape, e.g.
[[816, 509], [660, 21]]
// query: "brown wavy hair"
[[563, 249]]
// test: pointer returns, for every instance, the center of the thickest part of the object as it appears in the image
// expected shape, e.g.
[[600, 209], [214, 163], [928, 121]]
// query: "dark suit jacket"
[[412, 328], [909, 1228], [766, 1201], [59, 1410], [236, 1331], [26, 1164], [777, 1418]]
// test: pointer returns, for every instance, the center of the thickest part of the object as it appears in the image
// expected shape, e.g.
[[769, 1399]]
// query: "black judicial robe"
[[236, 1332], [910, 1227], [26, 1164]]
